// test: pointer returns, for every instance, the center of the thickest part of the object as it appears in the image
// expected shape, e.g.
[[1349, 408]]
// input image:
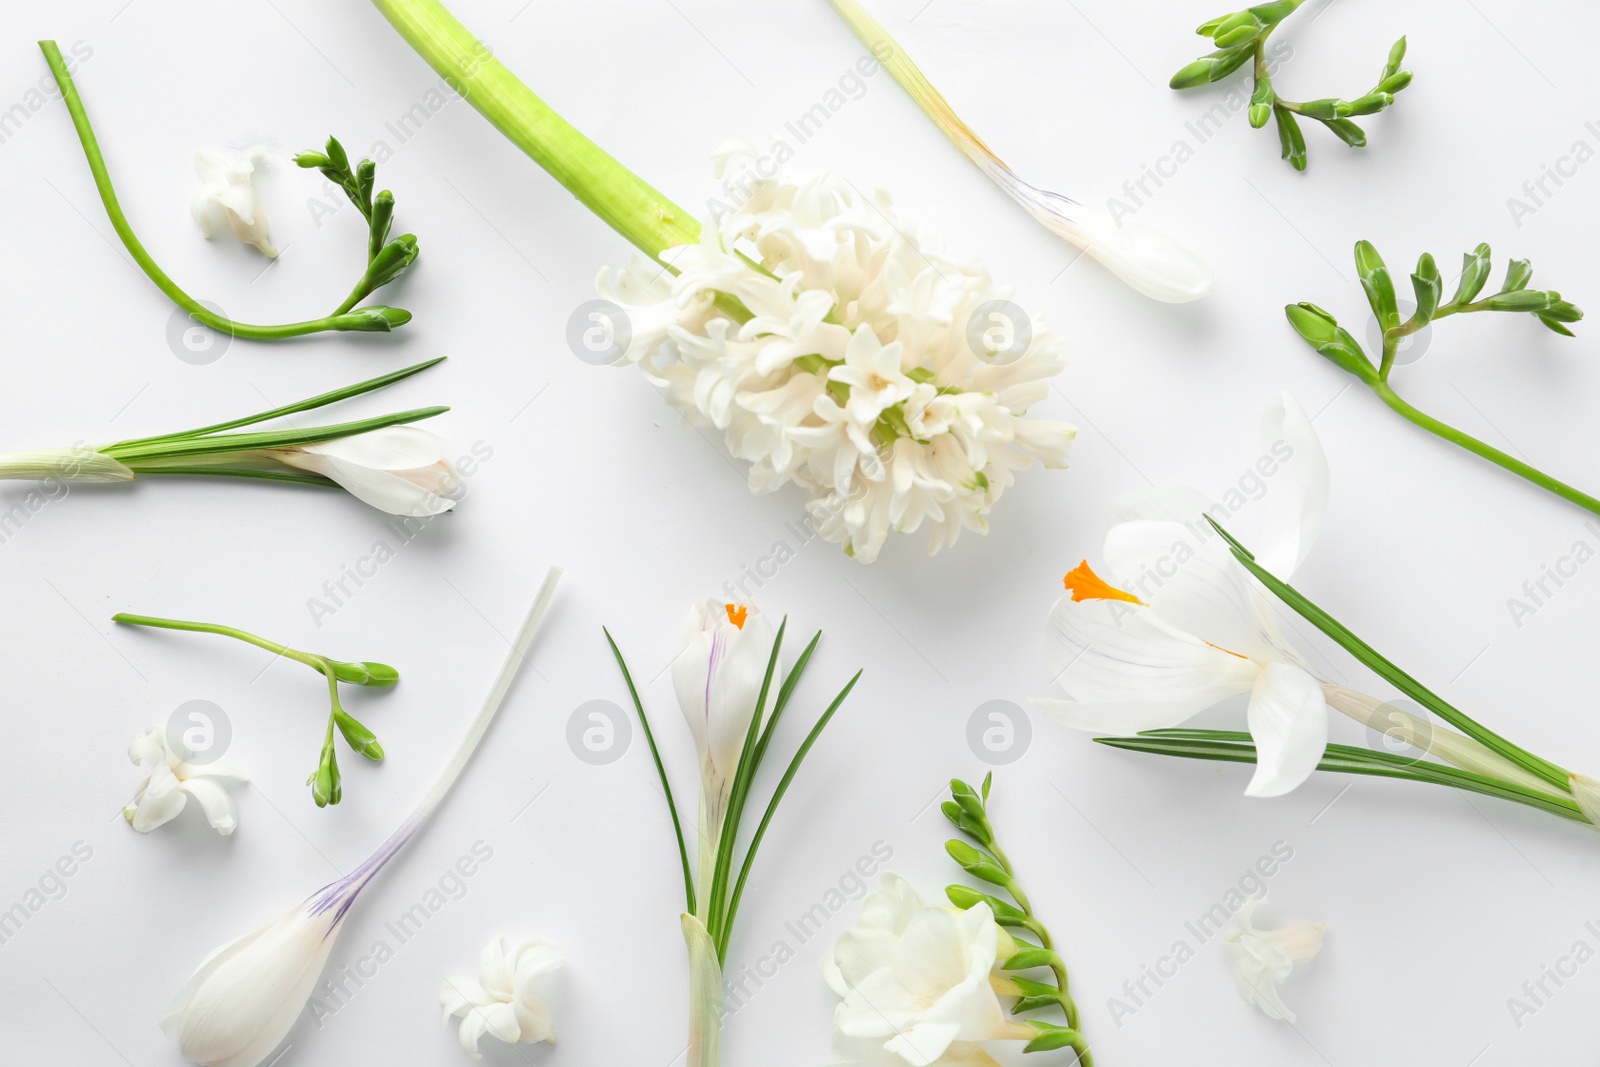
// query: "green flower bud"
[[964, 897], [324, 783], [1051, 1037], [976, 863], [392, 261], [1562, 311], [1427, 286], [1261, 102], [1377, 284], [359, 737], [1290, 139], [311, 159], [1518, 273], [1209, 28], [1524, 300], [1370, 104], [336, 156], [1394, 83], [1555, 324], [1322, 332], [1238, 36], [365, 673], [379, 224], [1029, 958], [1215, 67], [1348, 132], [1326, 108], [375, 318], [1397, 53], [1474, 272]]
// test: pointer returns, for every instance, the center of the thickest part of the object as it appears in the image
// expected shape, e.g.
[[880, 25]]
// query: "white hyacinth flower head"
[[885, 378], [227, 196], [509, 998]]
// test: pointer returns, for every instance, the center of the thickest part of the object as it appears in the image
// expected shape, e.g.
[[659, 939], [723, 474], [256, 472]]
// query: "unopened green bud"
[[1209, 28], [392, 261], [976, 863], [359, 737], [378, 226], [336, 156], [1322, 332], [324, 783], [375, 318], [365, 673], [1327, 108], [1261, 102], [1397, 54], [1051, 1037], [1239, 36], [311, 159], [1348, 132], [1524, 300], [1518, 273], [1029, 958], [1474, 272], [1377, 284], [1212, 68], [1370, 104], [1427, 286], [1291, 139], [964, 897], [1394, 83]]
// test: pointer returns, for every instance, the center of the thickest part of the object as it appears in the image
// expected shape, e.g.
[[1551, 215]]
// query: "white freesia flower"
[[402, 470], [246, 995], [228, 194], [1262, 959], [1197, 628], [857, 377], [507, 999], [169, 783], [919, 983], [717, 672]]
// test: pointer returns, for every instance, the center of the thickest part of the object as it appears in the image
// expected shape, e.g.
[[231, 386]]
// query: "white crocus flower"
[[506, 1000], [862, 375], [1197, 628], [228, 194], [919, 983], [169, 783], [717, 673], [1262, 959], [246, 995], [398, 469]]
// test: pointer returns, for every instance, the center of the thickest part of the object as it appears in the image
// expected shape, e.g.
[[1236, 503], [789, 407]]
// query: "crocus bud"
[[243, 1000]]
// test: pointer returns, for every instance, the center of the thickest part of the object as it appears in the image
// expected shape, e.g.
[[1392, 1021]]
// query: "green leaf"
[[221, 444]]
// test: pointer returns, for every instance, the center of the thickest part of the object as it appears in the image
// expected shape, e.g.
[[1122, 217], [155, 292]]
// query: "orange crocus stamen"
[[737, 615], [1084, 584]]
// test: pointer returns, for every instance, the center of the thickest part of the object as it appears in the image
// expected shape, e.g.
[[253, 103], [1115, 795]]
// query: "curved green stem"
[[1516, 466], [119, 222], [315, 662]]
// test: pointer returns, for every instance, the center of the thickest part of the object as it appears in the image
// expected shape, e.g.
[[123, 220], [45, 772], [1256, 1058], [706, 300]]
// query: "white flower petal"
[[1126, 670], [1293, 510], [1288, 720], [216, 802], [1263, 959]]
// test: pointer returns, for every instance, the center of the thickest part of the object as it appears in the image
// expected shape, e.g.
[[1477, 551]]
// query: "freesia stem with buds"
[[1241, 38], [243, 999], [325, 781], [386, 260], [1147, 260], [1322, 332], [968, 811]]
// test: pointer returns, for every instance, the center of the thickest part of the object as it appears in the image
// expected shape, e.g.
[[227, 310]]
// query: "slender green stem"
[[311, 660], [1480, 448], [666, 786], [130, 240], [1058, 966]]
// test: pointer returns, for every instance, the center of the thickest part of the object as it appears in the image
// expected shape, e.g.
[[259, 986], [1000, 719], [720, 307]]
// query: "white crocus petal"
[[243, 999], [1127, 670], [1196, 586], [1262, 959], [1148, 260], [1288, 719], [717, 674], [228, 192], [1293, 510], [508, 1001], [398, 469], [1161, 503], [1586, 791]]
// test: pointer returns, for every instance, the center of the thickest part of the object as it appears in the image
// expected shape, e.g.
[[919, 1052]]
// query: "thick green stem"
[[1516, 466], [119, 222], [623, 200]]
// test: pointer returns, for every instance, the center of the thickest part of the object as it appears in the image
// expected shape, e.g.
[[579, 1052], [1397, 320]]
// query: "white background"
[[1440, 907]]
